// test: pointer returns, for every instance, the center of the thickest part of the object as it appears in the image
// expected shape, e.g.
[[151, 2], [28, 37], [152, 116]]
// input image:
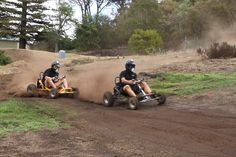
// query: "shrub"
[[4, 59], [145, 41], [218, 50]]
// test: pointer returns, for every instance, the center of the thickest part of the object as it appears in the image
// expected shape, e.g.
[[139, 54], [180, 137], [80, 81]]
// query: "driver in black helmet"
[[51, 76], [128, 79]]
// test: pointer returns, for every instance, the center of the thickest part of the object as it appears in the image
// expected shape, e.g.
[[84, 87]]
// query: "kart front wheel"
[[162, 99], [32, 90], [53, 93], [133, 103], [108, 99]]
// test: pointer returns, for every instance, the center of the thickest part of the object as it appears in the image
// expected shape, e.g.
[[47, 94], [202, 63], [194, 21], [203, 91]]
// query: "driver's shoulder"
[[123, 72], [47, 70]]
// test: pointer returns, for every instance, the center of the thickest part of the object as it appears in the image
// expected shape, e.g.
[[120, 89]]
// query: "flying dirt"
[[203, 124], [92, 79]]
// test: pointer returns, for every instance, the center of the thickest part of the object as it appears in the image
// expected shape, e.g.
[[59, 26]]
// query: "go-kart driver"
[[128, 79], [51, 76]]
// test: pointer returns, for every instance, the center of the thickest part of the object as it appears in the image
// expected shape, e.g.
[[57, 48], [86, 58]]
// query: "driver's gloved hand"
[[134, 81]]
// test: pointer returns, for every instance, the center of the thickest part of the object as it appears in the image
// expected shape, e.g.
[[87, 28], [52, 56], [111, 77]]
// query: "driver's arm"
[[47, 77], [130, 82]]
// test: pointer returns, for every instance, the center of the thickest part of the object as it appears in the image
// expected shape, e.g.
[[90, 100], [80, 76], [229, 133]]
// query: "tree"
[[24, 20], [181, 21], [85, 8], [45, 40], [121, 4], [4, 21], [60, 21], [89, 32], [168, 20], [87, 35], [63, 19], [139, 15], [106, 32], [100, 5]]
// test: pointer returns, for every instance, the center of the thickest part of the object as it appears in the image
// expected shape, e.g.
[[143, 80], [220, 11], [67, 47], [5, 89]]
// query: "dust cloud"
[[91, 79], [34, 63], [220, 33], [94, 79]]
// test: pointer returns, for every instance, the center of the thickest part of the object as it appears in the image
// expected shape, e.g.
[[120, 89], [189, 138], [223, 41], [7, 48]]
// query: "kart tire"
[[108, 99], [32, 90], [75, 93], [133, 103], [162, 99], [53, 93]]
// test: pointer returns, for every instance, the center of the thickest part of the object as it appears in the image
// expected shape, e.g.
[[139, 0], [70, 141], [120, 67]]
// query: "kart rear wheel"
[[162, 99], [133, 103], [76, 92], [53, 93], [32, 90], [108, 99]]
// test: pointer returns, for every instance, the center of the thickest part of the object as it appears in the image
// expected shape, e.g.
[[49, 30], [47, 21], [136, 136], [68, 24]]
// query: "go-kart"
[[39, 89], [118, 95]]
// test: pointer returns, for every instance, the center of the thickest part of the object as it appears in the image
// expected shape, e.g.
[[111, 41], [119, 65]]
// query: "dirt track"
[[165, 131], [195, 126]]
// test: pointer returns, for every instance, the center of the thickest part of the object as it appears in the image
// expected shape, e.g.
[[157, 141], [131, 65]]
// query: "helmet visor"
[[57, 66]]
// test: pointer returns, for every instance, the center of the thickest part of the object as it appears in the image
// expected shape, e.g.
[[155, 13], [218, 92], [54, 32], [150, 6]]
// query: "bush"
[[4, 59], [218, 50], [145, 42]]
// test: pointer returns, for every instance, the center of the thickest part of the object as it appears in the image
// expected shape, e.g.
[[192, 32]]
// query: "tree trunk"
[[56, 47], [22, 43], [23, 25]]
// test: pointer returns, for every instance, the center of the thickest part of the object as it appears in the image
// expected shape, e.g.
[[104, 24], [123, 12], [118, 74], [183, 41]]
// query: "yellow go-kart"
[[39, 89]]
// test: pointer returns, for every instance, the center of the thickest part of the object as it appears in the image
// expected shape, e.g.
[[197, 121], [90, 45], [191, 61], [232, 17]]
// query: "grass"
[[17, 115], [178, 83], [83, 61], [4, 59]]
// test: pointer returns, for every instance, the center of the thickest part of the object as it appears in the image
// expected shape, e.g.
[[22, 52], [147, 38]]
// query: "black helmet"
[[129, 65], [55, 65]]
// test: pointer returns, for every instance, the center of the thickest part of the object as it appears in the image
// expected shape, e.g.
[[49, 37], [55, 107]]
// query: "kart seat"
[[40, 84], [118, 87]]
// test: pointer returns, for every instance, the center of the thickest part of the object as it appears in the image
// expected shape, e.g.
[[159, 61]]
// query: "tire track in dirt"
[[155, 131], [164, 131]]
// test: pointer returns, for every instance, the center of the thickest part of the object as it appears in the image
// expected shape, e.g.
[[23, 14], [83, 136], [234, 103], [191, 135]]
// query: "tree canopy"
[[175, 22], [23, 19]]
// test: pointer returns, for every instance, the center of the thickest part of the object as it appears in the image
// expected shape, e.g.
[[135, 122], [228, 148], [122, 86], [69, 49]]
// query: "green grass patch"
[[4, 59], [176, 83], [17, 115], [84, 61]]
